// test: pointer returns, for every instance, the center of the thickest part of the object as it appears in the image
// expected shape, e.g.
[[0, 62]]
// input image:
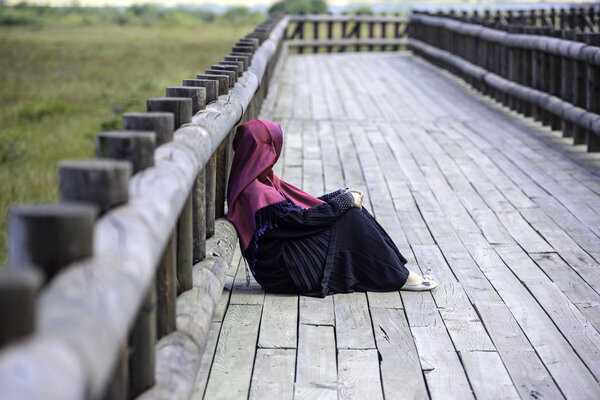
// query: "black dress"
[[330, 248]]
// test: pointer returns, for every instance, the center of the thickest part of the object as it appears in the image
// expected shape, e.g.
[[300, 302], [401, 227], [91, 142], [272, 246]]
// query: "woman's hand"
[[358, 197]]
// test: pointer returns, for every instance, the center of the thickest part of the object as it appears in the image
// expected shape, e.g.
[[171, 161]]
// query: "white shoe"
[[427, 284]]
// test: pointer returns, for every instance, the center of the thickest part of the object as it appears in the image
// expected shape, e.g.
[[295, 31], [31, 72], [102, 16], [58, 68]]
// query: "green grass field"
[[61, 84]]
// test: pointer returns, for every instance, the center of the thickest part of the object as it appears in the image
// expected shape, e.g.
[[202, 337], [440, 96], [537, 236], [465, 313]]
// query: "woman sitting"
[[297, 243]]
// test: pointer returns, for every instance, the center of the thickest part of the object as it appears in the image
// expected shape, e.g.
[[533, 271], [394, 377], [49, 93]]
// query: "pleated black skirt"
[[352, 252]]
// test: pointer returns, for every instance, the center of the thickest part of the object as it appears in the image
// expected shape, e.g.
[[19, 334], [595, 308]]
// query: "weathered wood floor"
[[502, 212]]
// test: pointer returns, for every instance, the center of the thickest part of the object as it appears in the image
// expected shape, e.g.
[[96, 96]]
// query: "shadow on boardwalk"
[[503, 213]]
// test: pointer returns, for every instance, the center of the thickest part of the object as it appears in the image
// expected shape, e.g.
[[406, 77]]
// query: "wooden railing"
[[133, 291], [338, 33], [545, 65]]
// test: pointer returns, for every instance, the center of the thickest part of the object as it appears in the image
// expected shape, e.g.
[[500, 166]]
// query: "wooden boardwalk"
[[503, 213]]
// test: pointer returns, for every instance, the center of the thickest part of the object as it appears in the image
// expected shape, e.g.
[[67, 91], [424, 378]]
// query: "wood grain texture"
[[273, 375], [233, 355], [352, 321], [401, 372], [487, 375], [278, 327], [358, 374], [316, 365]]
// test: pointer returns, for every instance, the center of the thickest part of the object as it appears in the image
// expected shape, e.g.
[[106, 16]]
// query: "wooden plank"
[[443, 371], [488, 376], [233, 356], [586, 299], [352, 321], [316, 365], [242, 294], [206, 362], [400, 367], [316, 311], [279, 322], [358, 374], [421, 309], [461, 320], [385, 299], [273, 376]]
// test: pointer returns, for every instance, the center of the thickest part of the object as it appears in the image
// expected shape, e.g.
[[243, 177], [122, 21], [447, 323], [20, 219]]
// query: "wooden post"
[[181, 107], [396, 32], [555, 80], [546, 76], [230, 68], [536, 67], [118, 386], [579, 91], [211, 87], [134, 146], [244, 59], [593, 93], [185, 247], [371, 26], [210, 193], [357, 32], [315, 26], [102, 182], [221, 179], [18, 293], [223, 80], [329, 34], [568, 78], [229, 74], [162, 123], [196, 94], [142, 340], [383, 34], [344, 25], [199, 217], [239, 66], [50, 236], [166, 290]]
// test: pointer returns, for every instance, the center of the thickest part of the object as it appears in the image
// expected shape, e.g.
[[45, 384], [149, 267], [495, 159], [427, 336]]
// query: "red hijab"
[[252, 183]]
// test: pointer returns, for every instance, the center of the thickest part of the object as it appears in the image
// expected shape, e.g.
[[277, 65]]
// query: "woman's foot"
[[418, 283]]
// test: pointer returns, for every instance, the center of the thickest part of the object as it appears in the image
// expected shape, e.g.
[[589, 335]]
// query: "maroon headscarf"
[[252, 183]]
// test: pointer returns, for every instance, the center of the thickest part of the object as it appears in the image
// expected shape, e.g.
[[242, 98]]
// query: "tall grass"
[[62, 83]]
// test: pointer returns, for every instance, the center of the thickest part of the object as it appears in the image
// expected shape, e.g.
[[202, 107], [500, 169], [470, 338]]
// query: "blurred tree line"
[[138, 14]]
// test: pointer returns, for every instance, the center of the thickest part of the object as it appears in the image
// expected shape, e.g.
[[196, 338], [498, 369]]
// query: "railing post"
[[18, 293], [329, 34], [568, 78], [579, 91], [315, 25], [593, 93]]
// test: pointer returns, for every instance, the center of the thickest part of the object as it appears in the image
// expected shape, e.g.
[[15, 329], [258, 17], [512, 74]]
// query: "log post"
[[102, 182], [18, 292], [593, 93], [383, 34], [229, 74], [50, 236], [555, 80], [210, 193], [199, 217], [181, 107], [315, 26], [134, 146], [196, 94], [221, 179], [329, 34], [185, 247], [579, 91], [536, 68], [222, 79], [142, 340], [234, 69], [162, 123], [211, 87], [568, 78], [397, 34], [166, 289], [244, 59], [371, 28]]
